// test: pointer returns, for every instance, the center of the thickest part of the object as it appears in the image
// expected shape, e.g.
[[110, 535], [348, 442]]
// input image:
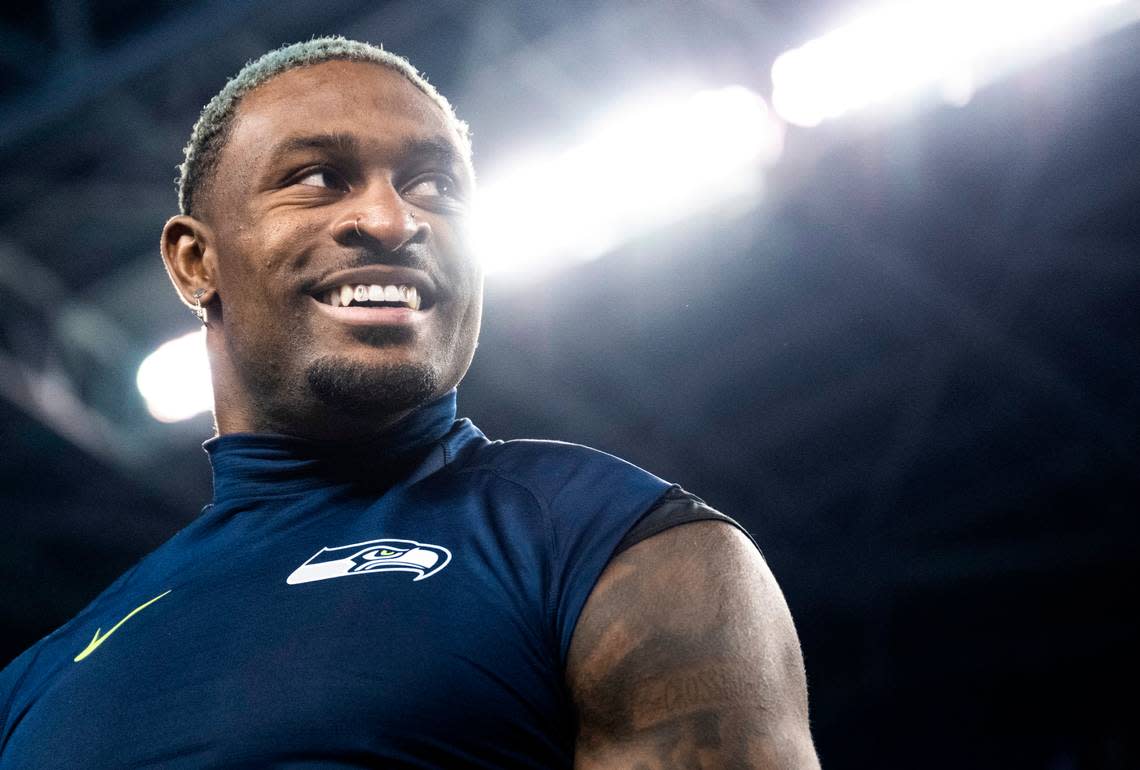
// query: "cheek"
[[469, 307], [465, 331], [455, 248], [283, 244], [262, 260]]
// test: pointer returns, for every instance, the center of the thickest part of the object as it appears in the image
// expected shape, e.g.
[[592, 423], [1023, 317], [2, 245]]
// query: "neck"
[[261, 466], [244, 404], [315, 422]]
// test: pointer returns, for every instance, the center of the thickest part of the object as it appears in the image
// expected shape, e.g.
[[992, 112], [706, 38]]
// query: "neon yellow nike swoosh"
[[98, 640]]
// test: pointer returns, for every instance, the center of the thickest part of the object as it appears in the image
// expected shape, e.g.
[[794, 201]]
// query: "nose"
[[382, 217]]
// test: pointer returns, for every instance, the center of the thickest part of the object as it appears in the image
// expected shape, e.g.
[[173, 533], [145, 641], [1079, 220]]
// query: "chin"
[[367, 388]]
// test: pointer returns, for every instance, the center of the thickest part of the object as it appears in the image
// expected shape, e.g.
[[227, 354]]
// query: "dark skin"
[[685, 656], [344, 165], [336, 166]]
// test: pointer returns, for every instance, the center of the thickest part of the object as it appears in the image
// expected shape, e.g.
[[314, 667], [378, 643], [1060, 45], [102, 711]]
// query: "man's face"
[[343, 174]]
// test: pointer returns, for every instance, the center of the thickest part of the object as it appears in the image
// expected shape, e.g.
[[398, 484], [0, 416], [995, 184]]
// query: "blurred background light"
[[651, 163], [174, 380], [904, 49]]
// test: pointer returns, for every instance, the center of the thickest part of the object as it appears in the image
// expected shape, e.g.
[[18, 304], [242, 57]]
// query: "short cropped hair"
[[215, 124]]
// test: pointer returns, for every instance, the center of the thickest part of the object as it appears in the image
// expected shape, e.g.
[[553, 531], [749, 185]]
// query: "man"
[[517, 604]]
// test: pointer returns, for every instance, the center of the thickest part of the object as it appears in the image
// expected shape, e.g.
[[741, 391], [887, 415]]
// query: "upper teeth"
[[365, 292]]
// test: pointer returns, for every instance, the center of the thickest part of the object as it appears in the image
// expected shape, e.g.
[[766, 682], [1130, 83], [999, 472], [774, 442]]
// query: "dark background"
[[911, 370]]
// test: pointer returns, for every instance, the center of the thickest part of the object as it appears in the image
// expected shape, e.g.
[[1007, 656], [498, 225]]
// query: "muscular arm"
[[685, 657]]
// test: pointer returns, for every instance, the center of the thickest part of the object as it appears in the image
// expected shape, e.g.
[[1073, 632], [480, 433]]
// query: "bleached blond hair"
[[214, 125]]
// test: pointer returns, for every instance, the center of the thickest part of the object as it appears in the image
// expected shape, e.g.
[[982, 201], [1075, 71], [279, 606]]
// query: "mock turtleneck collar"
[[258, 465]]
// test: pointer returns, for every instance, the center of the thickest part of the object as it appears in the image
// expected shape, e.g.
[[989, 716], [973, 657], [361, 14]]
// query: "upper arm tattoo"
[[685, 657]]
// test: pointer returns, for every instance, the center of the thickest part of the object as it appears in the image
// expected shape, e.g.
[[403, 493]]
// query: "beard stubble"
[[360, 389]]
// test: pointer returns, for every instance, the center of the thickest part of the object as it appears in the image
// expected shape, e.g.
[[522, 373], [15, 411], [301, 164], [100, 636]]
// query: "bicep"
[[685, 656]]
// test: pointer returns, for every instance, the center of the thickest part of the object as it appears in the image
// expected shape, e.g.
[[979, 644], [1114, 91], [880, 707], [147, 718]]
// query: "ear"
[[191, 261]]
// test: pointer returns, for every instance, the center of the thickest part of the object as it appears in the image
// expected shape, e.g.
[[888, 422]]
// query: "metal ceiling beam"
[[98, 335], [67, 90], [50, 398], [49, 394]]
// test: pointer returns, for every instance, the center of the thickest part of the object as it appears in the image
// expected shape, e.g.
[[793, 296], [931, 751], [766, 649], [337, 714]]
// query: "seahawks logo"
[[423, 559]]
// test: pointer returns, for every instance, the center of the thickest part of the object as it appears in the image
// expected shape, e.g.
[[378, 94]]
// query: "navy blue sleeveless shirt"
[[402, 602]]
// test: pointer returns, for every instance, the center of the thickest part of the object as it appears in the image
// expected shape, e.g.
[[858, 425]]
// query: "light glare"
[[175, 379], [650, 164], [899, 50]]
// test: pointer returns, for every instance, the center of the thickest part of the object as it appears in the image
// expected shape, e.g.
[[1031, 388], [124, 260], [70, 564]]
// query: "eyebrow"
[[344, 143], [435, 148]]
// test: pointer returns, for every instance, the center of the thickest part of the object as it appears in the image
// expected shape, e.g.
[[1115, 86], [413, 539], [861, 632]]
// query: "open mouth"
[[372, 295]]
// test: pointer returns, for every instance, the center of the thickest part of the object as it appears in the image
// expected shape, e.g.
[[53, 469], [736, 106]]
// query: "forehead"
[[369, 100]]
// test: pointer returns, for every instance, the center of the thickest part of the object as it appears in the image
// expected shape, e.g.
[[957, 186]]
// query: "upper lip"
[[383, 275]]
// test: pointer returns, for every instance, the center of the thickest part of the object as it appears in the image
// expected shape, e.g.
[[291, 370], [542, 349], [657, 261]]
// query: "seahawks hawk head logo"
[[423, 559]]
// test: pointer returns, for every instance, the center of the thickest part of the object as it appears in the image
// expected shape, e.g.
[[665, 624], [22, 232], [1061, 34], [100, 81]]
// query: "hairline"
[[213, 129]]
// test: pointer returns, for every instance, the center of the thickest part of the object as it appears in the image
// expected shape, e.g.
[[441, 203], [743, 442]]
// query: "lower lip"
[[373, 316]]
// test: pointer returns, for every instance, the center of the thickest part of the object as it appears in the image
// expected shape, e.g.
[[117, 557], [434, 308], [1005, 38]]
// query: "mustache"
[[412, 256]]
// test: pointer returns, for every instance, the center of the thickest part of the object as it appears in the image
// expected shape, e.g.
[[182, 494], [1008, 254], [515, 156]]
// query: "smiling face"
[[340, 184]]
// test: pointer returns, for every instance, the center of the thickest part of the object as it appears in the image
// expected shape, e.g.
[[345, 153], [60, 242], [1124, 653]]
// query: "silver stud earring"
[[200, 311]]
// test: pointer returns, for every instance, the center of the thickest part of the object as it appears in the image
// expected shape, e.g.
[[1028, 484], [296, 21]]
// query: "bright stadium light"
[[652, 163], [175, 379], [910, 47]]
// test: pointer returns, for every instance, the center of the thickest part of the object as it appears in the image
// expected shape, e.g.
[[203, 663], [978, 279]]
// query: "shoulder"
[[559, 472], [528, 456], [686, 646], [587, 501]]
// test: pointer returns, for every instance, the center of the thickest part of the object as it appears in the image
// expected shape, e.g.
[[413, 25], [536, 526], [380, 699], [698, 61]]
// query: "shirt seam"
[[548, 612]]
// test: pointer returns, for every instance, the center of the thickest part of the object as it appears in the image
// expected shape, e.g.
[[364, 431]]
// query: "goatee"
[[358, 389]]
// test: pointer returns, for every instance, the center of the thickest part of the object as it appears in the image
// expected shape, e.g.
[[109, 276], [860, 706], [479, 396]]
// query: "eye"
[[322, 177], [432, 186]]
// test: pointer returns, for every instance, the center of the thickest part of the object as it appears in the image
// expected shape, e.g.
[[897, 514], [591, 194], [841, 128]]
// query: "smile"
[[372, 296], [376, 295], [369, 313]]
